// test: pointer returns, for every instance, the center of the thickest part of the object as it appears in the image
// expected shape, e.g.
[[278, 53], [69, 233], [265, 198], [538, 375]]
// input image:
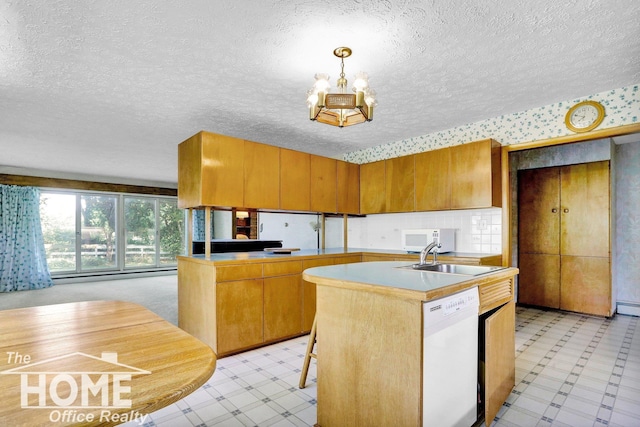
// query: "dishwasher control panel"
[[459, 302]]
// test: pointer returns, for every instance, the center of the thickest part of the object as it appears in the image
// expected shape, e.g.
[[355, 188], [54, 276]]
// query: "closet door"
[[539, 237], [585, 241]]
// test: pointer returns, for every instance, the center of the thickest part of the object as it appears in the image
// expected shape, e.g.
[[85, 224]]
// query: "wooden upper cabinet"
[[462, 177], [372, 187], [261, 176], [433, 180], [476, 175], [323, 184], [400, 184], [211, 171], [295, 179], [348, 187]]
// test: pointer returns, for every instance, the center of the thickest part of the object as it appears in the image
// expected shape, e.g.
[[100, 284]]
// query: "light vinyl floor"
[[571, 370]]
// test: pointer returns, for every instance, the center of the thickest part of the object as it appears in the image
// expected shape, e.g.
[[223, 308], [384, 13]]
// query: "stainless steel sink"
[[468, 270]]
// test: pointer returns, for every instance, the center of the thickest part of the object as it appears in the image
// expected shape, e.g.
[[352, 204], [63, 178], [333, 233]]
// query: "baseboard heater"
[[629, 308]]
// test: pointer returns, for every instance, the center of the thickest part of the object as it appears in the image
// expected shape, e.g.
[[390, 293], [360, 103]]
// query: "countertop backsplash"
[[477, 230]]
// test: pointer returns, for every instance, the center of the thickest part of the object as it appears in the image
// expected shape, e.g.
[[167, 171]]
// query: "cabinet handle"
[[565, 210], [554, 210]]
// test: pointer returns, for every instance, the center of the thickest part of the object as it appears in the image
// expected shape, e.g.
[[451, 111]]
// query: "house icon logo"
[[92, 382]]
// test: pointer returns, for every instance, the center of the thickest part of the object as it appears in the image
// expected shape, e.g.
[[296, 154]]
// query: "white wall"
[[627, 257], [294, 230]]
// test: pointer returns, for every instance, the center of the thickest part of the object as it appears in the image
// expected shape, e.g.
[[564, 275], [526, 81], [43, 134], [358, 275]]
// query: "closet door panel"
[[539, 280], [586, 285], [585, 209], [539, 211]]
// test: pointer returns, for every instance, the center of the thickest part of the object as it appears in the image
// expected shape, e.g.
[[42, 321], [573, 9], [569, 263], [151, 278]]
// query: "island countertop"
[[388, 277], [262, 256]]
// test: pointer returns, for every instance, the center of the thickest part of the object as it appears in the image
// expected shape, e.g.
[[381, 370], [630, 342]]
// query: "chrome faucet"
[[425, 252]]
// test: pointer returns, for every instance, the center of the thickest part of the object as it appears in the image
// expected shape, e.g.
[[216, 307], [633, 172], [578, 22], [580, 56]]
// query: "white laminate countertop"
[[389, 277], [387, 273], [261, 255]]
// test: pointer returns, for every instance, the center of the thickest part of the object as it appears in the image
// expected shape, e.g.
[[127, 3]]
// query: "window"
[[58, 218], [140, 232], [98, 238], [104, 232]]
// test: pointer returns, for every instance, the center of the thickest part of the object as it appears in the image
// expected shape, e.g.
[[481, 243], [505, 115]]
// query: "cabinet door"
[[400, 184], [433, 180], [585, 209], [222, 170], [323, 184], [539, 211], [475, 175], [240, 318], [261, 176], [539, 279], [372, 187], [295, 179], [499, 364], [348, 187], [282, 301], [586, 285]]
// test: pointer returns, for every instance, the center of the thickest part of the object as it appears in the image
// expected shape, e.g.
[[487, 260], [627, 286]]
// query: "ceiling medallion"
[[341, 108]]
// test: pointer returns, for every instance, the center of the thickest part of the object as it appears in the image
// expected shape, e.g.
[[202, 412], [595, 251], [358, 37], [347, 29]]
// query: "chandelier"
[[341, 108]]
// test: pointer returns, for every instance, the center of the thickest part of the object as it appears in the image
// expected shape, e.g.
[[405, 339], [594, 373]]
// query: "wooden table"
[[94, 363]]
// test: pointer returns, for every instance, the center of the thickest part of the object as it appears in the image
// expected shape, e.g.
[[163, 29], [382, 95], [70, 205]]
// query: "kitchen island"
[[370, 340], [240, 300]]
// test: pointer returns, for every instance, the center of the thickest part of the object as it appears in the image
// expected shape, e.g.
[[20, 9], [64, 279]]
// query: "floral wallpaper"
[[622, 107]]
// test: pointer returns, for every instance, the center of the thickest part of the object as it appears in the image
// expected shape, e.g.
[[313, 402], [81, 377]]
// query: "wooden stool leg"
[[308, 355]]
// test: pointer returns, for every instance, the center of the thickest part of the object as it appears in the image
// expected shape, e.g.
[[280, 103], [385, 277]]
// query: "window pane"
[[171, 232], [58, 218], [98, 225], [140, 229]]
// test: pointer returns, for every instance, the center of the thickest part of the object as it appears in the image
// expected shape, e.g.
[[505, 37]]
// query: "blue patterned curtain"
[[23, 263]]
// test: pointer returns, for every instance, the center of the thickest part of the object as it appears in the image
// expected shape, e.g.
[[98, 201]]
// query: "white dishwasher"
[[450, 360]]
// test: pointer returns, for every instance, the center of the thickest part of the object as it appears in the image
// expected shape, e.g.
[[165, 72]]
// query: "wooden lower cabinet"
[[236, 307], [496, 369], [239, 308], [282, 298]]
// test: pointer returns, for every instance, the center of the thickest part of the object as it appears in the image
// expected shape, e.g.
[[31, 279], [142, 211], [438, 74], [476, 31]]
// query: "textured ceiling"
[[111, 88]]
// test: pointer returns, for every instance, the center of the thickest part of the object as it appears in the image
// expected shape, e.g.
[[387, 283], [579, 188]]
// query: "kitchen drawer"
[[238, 272], [282, 268]]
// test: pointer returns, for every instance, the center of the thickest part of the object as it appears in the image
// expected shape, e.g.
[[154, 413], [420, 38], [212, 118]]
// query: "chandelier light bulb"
[[361, 81], [322, 83], [370, 97]]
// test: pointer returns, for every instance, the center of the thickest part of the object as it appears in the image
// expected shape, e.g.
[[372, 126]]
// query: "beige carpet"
[[159, 294]]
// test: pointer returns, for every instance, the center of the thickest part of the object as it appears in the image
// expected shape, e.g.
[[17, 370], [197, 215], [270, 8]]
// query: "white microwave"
[[416, 240]]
